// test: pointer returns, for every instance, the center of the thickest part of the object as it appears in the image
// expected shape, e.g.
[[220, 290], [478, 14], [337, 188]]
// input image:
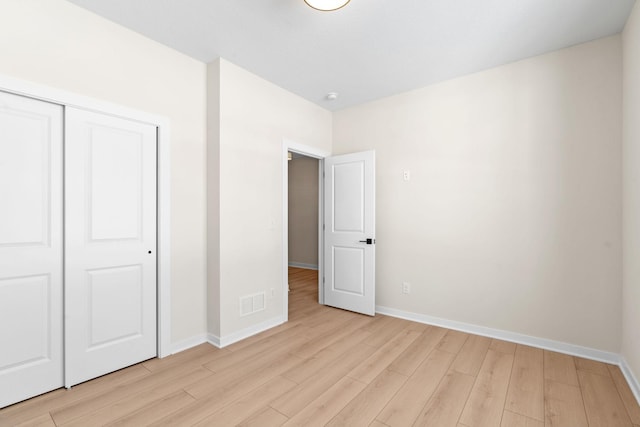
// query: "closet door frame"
[[68, 99]]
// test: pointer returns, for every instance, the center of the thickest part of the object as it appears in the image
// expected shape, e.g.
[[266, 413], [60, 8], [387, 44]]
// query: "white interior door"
[[110, 246], [30, 248], [349, 232]]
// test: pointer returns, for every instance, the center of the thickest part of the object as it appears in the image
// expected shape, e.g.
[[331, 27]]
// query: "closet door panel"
[[110, 261], [30, 248]]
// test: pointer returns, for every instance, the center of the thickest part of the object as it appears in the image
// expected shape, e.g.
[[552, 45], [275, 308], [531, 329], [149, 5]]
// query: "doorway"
[[303, 220], [309, 155], [303, 208], [346, 249]]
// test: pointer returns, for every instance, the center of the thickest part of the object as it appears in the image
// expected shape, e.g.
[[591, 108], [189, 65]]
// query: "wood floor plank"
[[253, 340], [267, 417], [326, 339], [255, 365], [510, 419], [325, 356], [383, 357], [43, 420], [603, 404], [119, 408], [592, 366], [526, 387], [192, 355], [154, 411], [486, 401], [321, 410], [418, 327], [364, 408], [503, 346], [446, 405], [250, 403], [405, 406], [143, 385], [307, 391], [629, 400], [377, 322], [418, 351], [326, 318], [471, 355], [452, 341], [384, 331], [560, 368], [218, 395], [46, 403], [247, 356], [335, 320], [563, 405]]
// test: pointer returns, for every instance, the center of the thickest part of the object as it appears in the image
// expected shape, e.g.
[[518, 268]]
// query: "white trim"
[[561, 347], [164, 239], [69, 99], [634, 385], [303, 265], [321, 232], [288, 145], [188, 343], [214, 340], [221, 342]]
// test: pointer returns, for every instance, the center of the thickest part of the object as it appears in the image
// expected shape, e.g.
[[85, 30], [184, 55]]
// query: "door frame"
[[315, 153], [69, 99]]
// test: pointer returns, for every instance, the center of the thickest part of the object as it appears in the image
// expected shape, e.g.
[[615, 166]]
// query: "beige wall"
[[55, 43], [512, 217], [631, 185], [303, 212], [255, 117]]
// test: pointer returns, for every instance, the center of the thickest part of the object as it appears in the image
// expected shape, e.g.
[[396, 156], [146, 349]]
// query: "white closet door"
[[110, 244], [30, 248]]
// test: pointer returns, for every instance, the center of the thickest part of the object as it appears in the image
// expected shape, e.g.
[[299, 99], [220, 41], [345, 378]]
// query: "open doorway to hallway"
[[303, 200]]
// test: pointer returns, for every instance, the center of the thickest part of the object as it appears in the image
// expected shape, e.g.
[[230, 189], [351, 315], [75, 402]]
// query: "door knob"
[[368, 241]]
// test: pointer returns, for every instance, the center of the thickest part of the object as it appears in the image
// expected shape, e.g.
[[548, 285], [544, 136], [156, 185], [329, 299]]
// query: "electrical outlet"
[[406, 175], [406, 288]]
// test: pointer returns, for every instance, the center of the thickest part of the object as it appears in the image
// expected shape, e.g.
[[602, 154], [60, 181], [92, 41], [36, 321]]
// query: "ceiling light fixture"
[[326, 5]]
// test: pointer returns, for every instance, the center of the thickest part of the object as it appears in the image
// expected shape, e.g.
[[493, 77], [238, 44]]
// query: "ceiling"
[[370, 48]]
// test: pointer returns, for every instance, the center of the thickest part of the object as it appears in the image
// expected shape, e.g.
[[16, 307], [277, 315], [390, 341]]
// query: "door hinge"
[[322, 227], [322, 279]]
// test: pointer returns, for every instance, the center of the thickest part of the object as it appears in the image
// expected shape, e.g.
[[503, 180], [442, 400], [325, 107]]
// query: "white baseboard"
[[634, 385], [561, 347], [214, 340], [222, 342], [183, 345], [303, 265]]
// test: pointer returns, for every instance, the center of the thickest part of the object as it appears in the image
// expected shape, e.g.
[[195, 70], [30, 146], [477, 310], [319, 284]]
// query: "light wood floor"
[[331, 367]]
